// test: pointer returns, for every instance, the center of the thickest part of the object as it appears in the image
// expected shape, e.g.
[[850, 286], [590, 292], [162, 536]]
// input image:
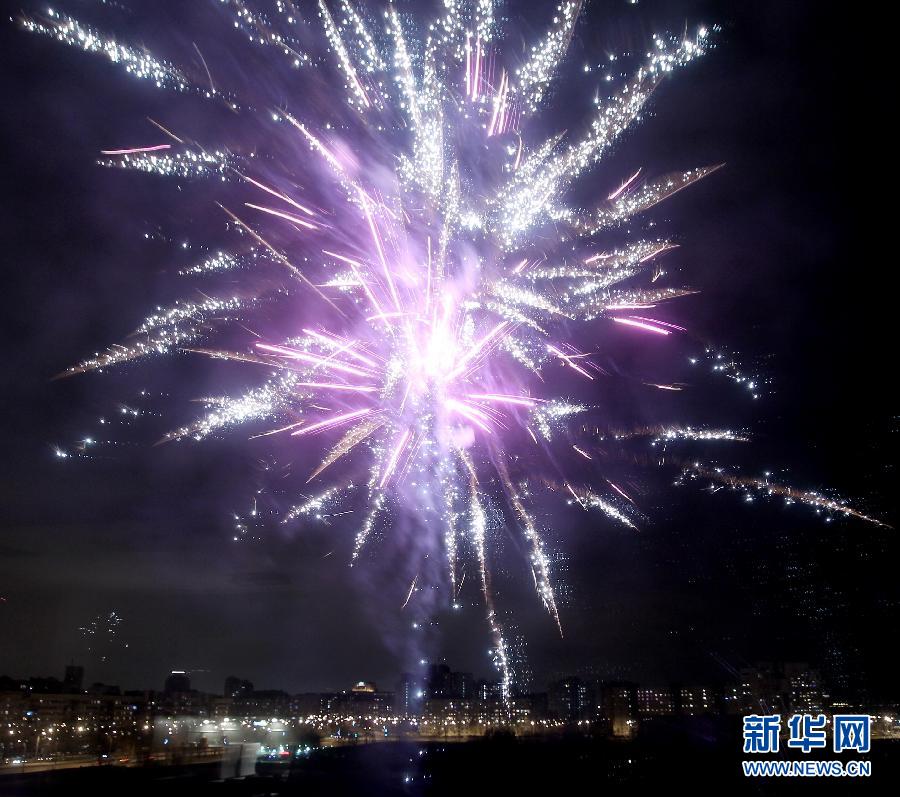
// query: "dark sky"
[[778, 241]]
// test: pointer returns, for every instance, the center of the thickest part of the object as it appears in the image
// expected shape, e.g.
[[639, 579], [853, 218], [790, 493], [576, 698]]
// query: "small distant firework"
[[449, 290], [103, 636]]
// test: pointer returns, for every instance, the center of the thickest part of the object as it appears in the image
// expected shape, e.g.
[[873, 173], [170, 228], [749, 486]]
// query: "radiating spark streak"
[[659, 323], [278, 256], [582, 452], [568, 361], [633, 322], [476, 80], [376, 238], [428, 278], [383, 316], [479, 524], [663, 247], [619, 490], [502, 399], [134, 150], [642, 199], [283, 197], [317, 145], [468, 64], [624, 185], [343, 56], [376, 503], [212, 86], [168, 132], [334, 386], [593, 501], [279, 430], [314, 504], [315, 359], [260, 33], [470, 413], [575, 495], [765, 487], [329, 423], [190, 163], [237, 356], [674, 388], [356, 266], [461, 582], [540, 565], [391, 463], [476, 349], [499, 105], [342, 347], [536, 73], [281, 214], [136, 61], [412, 588], [667, 434], [588, 500], [350, 439]]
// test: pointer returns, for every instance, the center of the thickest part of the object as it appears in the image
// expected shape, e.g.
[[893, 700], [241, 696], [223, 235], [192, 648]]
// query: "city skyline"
[[59, 718], [438, 681]]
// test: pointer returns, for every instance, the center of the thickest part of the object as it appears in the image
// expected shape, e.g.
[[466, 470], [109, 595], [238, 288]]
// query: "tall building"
[[692, 701], [462, 685], [618, 707], [442, 682], [438, 682], [521, 675], [408, 698], [570, 700], [777, 686], [655, 702], [263, 703], [806, 692], [73, 680], [364, 698], [488, 691]]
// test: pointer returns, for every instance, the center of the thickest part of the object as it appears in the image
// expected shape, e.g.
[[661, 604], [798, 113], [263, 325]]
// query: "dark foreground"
[[552, 767]]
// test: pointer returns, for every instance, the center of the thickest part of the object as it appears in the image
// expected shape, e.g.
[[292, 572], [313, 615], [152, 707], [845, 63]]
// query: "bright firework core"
[[452, 276]]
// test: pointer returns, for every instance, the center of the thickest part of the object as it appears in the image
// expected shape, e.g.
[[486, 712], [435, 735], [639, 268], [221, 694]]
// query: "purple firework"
[[447, 275]]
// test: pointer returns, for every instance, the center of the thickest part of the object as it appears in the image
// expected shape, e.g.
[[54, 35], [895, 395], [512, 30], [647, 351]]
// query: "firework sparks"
[[751, 487], [439, 295]]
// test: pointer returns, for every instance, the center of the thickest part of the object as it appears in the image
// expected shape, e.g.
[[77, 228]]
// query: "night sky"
[[778, 243]]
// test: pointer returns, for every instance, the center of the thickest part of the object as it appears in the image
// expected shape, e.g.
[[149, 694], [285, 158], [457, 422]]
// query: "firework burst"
[[446, 278]]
